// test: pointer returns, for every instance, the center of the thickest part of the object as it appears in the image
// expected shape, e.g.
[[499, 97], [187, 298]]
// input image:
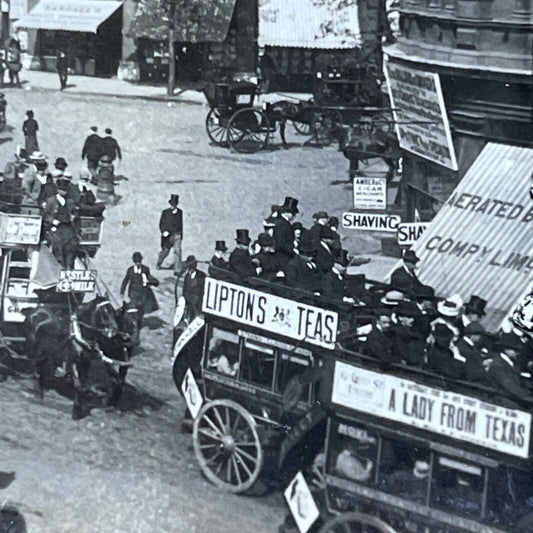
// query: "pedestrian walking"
[[171, 227], [105, 181], [30, 129], [139, 281], [62, 68], [110, 146], [13, 62], [92, 150]]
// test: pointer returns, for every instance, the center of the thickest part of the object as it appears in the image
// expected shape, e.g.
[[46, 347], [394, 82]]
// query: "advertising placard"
[[18, 296], [19, 229], [77, 281], [371, 221], [447, 413], [409, 232], [91, 230], [420, 114], [270, 313], [369, 193], [301, 503], [191, 393]]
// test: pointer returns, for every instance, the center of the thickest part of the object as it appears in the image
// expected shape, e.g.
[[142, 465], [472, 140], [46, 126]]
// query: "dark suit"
[[409, 345], [474, 370], [441, 361], [173, 223], [333, 285], [506, 377], [111, 148], [139, 291], [379, 344], [404, 281], [193, 292], [270, 264], [92, 150], [324, 257], [301, 274], [284, 239], [241, 263]]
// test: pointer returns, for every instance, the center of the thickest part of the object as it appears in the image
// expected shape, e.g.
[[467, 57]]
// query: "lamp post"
[[170, 7]]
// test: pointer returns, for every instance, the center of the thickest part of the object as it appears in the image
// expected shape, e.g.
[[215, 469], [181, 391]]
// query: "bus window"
[[352, 452], [404, 470], [223, 352], [457, 485], [258, 363], [290, 365]]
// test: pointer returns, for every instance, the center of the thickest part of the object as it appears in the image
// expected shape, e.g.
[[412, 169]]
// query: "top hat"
[[382, 311], [510, 341], [190, 262], [60, 163], [474, 328], [320, 214], [220, 246], [94, 128], [451, 307], [243, 237], [333, 222], [410, 256], [265, 239], [290, 205], [108, 131], [174, 199], [37, 156], [137, 257], [476, 305], [407, 308], [306, 246], [392, 298]]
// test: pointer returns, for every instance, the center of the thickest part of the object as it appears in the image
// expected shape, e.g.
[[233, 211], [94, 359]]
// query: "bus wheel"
[[227, 446], [356, 523]]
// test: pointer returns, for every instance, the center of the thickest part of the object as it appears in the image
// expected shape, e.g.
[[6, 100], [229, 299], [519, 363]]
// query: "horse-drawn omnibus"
[[408, 451]]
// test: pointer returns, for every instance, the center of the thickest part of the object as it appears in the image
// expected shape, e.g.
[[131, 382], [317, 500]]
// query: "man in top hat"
[[240, 260], [474, 310], [283, 232], [379, 342], [267, 259], [171, 228], [404, 278], [426, 303], [320, 220], [110, 146], [193, 287], [301, 272], [333, 283], [138, 280], [60, 202], [218, 263], [409, 344], [92, 150]]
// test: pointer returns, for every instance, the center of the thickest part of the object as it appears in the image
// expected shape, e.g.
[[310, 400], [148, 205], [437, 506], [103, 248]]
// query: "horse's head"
[[99, 315]]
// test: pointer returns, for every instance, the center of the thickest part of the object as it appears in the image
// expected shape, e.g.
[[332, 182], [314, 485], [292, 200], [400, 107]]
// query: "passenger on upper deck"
[[474, 310], [470, 349], [283, 232], [218, 261], [449, 315], [301, 271], [379, 343], [404, 278], [333, 281], [267, 259], [193, 287], [409, 343], [240, 260], [336, 246], [324, 252], [35, 177], [320, 220], [440, 357]]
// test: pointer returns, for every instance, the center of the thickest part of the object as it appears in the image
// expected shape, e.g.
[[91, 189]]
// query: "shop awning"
[[481, 241], [196, 21], [309, 24], [68, 15]]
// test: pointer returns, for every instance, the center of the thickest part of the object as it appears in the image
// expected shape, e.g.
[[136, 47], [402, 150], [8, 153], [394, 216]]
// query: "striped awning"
[[196, 21], [481, 241], [68, 15], [332, 24]]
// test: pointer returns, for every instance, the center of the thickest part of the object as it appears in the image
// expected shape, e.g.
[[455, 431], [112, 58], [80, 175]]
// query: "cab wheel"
[[227, 445], [356, 523]]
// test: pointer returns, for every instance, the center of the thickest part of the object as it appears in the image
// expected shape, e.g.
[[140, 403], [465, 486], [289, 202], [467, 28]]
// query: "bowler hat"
[[297, 225], [320, 214], [63, 184], [306, 246], [109, 131], [290, 205], [137, 257], [407, 308], [243, 237], [269, 222], [509, 341], [382, 311], [94, 128], [265, 239], [60, 163], [174, 199], [410, 256], [190, 261], [474, 328], [333, 222], [220, 246], [476, 305]]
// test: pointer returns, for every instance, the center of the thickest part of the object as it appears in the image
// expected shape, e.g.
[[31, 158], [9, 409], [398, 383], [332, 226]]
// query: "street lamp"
[[170, 7]]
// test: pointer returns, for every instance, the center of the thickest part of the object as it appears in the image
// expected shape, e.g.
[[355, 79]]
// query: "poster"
[[369, 193]]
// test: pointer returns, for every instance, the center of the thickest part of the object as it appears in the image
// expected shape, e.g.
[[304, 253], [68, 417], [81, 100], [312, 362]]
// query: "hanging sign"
[[371, 221], [91, 230], [369, 193], [409, 232], [19, 229], [77, 281]]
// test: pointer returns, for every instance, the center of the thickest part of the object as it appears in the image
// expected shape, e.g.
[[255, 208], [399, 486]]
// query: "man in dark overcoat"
[[409, 342], [333, 284], [379, 342], [404, 278], [471, 352], [92, 150], [283, 232], [267, 258], [139, 281], [301, 272], [193, 287], [240, 260], [110, 146], [171, 227], [218, 264]]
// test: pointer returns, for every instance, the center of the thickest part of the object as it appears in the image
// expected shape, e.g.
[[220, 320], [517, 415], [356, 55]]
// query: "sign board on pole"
[[371, 221], [301, 503], [91, 230], [270, 313], [409, 232], [19, 229], [77, 281], [443, 412], [192, 393], [420, 114], [369, 193]]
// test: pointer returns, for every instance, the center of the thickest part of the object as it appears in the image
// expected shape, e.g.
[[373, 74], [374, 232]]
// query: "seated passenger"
[[440, 357], [379, 343], [333, 281], [469, 348], [324, 252], [224, 358], [267, 259], [301, 271], [218, 262], [409, 343], [449, 311], [240, 260]]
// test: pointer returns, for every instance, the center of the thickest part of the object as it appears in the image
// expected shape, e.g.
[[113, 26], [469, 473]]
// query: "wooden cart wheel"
[[303, 128], [356, 523], [216, 129], [227, 446], [248, 130]]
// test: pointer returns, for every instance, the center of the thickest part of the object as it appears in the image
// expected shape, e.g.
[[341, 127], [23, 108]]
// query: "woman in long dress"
[[30, 128]]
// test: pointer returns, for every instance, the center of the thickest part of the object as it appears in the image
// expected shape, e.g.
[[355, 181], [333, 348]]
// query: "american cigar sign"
[[270, 313], [446, 413]]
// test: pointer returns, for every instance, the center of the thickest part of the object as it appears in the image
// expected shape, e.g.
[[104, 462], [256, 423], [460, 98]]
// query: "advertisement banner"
[[91, 230], [19, 229], [447, 413], [270, 313], [77, 281], [409, 232], [371, 221], [369, 193], [420, 114]]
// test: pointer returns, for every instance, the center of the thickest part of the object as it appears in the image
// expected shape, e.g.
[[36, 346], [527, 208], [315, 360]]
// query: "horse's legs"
[[282, 124]]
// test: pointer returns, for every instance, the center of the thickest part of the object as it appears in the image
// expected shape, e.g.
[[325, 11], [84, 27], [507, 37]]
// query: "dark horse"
[[75, 348]]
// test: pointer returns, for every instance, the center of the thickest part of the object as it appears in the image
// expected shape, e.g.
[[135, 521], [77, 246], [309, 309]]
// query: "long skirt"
[[32, 145]]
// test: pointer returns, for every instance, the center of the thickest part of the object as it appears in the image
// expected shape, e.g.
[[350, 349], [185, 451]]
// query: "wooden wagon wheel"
[[248, 130], [216, 128], [303, 128], [356, 523], [227, 446]]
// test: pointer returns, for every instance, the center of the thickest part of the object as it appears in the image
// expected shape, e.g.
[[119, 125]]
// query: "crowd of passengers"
[[29, 184], [408, 325]]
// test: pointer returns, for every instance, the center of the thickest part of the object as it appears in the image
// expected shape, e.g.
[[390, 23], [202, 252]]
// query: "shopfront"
[[89, 31]]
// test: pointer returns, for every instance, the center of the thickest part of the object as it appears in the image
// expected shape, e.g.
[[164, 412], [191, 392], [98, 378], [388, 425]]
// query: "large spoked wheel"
[[302, 128], [248, 130], [356, 523], [216, 127], [227, 446]]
